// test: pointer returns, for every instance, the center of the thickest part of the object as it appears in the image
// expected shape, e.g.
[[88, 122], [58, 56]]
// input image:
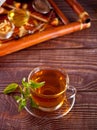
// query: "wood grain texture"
[[81, 117], [77, 53]]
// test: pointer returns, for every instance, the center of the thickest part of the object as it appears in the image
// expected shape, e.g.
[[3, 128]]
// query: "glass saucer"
[[64, 110]]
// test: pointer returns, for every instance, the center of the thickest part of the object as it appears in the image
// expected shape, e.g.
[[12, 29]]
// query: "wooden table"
[[77, 52]]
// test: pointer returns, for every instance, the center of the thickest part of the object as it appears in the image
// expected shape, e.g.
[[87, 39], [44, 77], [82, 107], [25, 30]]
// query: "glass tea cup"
[[56, 90], [19, 17]]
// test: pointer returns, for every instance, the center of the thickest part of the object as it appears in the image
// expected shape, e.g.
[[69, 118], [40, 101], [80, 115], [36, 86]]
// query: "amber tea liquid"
[[52, 93]]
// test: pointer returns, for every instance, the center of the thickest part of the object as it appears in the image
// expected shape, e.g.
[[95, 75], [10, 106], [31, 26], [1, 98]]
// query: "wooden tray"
[[65, 27]]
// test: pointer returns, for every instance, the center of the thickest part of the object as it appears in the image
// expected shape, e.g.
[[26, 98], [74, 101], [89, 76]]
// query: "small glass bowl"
[[6, 29]]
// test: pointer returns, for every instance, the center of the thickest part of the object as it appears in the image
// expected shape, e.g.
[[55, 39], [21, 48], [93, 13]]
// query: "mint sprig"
[[10, 88], [25, 92]]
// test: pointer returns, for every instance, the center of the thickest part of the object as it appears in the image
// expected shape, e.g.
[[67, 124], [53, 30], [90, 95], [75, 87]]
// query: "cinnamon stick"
[[83, 15], [34, 14], [58, 11], [50, 33], [39, 17]]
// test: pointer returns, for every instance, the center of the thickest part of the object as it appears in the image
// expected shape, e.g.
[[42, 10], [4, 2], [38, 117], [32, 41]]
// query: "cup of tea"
[[56, 89], [19, 17]]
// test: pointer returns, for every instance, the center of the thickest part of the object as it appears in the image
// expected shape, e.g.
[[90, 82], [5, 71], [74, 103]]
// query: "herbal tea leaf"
[[24, 83], [25, 91], [34, 84], [33, 104], [17, 98], [10, 88], [22, 104]]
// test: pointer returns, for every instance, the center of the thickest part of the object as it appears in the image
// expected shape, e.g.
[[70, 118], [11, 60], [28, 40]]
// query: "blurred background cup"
[[19, 17]]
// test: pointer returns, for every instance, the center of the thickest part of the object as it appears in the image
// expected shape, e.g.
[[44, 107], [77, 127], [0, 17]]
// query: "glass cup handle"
[[71, 90], [71, 93]]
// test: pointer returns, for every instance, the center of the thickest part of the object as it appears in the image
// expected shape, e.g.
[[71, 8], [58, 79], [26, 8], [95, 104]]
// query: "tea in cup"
[[52, 95]]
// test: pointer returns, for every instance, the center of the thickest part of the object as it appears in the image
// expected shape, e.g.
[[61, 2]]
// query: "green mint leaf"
[[26, 93], [34, 84], [22, 103], [17, 98], [33, 104], [24, 83], [10, 88]]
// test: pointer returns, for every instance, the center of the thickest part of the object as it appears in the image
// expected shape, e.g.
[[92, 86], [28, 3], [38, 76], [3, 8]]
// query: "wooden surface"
[[77, 53]]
